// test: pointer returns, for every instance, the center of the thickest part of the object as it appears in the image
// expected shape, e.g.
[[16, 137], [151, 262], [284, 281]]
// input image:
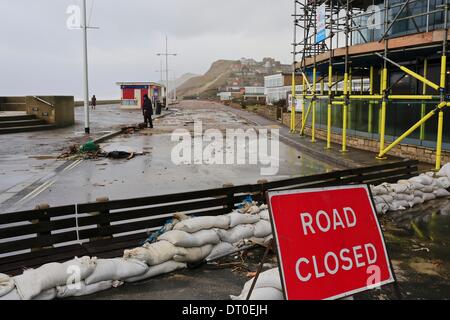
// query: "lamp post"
[[167, 54], [85, 69]]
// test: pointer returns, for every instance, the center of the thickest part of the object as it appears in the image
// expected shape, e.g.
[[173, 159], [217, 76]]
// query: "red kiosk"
[[133, 93]]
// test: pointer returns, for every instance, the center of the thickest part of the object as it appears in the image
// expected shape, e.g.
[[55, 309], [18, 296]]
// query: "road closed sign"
[[329, 242]]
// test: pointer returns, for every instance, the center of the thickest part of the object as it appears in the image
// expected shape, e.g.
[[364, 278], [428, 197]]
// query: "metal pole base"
[[87, 130], [381, 158]]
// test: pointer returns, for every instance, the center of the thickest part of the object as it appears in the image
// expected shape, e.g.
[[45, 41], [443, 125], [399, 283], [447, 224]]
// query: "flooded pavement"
[[28, 160], [418, 242], [154, 173]]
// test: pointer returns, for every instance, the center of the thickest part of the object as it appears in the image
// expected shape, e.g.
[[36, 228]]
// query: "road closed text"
[[329, 242], [330, 263]]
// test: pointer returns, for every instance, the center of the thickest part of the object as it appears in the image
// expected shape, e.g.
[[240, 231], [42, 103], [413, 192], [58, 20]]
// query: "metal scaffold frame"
[[341, 21]]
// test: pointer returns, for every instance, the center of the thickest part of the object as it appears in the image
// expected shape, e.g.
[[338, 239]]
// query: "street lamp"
[[167, 54]]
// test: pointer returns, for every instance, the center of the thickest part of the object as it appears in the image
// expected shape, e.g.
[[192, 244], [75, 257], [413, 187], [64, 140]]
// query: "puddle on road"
[[418, 242]]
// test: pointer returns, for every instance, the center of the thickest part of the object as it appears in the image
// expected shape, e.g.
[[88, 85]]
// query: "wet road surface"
[[38, 178]]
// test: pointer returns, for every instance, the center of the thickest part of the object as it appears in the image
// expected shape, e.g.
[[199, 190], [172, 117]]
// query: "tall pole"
[[167, 75], [174, 87], [167, 54], [85, 69]]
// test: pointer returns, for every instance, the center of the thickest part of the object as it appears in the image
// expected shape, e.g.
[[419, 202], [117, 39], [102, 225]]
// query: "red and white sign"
[[329, 242]]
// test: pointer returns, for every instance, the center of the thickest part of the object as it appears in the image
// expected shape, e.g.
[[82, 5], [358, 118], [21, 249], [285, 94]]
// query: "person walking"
[[148, 112], [94, 101]]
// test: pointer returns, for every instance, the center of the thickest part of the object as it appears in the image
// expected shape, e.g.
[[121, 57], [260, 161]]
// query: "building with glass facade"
[[396, 50]]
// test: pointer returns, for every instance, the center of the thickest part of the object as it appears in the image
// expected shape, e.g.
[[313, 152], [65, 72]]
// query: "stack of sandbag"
[[41, 283], [188, 240], [74, 278], [268, 287], [192, 240], [409, 193], [6, 286]]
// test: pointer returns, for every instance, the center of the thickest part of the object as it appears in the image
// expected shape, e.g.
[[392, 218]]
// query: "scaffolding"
[[350, 22]]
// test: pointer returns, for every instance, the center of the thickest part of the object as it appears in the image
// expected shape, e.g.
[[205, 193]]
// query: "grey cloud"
[[39, 55]]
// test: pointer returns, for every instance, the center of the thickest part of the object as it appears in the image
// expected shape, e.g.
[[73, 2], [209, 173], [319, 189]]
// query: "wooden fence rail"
[[104, 229]]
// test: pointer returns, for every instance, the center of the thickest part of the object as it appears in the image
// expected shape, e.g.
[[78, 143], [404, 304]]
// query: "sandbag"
[[267, 279], [263, 207], [428, 197], [189, 240], [423, 179], [382, 208], [418, 193], [237, 218], [262, 294], [154, 253], [262, 229], [387, 198], [445, 171], [441, 193], [418, 200], [46, 295], [238, 233], [428, 189], [163, 268], [13, 295], [193, 255], [417, 185], [116, 269], [6, 284], [405, 197], [220, 250], [398, 205], [203, 223], [250, 208], [401, 188], [82, 289], [266, 294], [34, 281], [265, 215], [443, 182], [380, 190]]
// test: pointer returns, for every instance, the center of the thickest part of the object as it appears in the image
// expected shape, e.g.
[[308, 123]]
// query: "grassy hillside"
[[204, 85]]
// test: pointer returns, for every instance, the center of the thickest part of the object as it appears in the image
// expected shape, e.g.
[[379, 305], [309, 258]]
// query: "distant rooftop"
[[137, 83]]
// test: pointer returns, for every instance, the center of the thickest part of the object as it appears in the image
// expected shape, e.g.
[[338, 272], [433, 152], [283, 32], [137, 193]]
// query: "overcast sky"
[[40, 55]]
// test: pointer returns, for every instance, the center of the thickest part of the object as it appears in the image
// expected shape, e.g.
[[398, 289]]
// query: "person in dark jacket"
[[148, 111], [94, 102]]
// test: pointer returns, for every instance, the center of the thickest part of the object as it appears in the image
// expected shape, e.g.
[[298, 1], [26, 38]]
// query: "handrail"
[[43, 101]]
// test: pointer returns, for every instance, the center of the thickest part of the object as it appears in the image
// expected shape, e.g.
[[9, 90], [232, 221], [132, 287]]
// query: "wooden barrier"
[[64, 232]]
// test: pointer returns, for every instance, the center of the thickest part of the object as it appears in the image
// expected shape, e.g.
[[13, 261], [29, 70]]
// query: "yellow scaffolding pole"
[[415, 74], [439, 140], [344, 116], [330, 95], [423, 108], [443, 80], [350, 107], [383, 114], [293, 103], [304, 97], [413, 128], [370, 120], [313, 126], [302, 131]]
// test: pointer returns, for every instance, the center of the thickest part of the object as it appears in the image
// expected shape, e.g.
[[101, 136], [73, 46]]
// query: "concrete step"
[[13, 99], [17, 118], [27, 129], [13, 106], [22, 123]]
